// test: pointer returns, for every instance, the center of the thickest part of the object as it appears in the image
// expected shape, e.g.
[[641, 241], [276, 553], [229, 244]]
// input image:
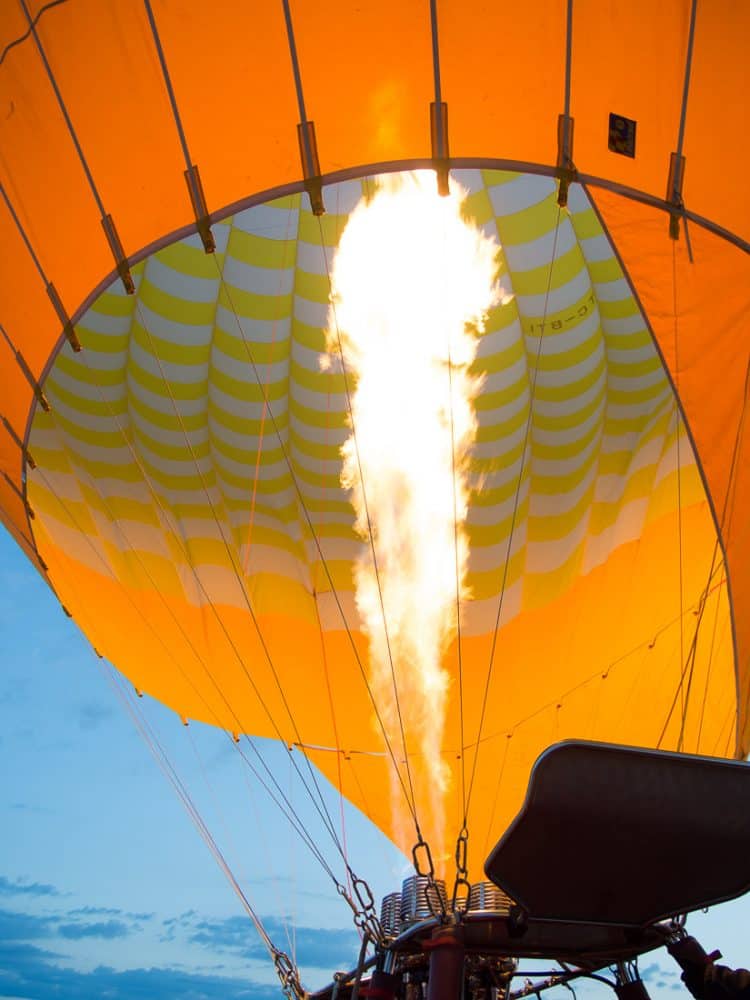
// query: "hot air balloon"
[[184, 455]]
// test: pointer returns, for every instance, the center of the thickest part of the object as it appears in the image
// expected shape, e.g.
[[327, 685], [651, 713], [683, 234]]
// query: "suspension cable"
[[717, 559], [683, 697], [199, 657], [287, 972], [286, 809], [320, 805]]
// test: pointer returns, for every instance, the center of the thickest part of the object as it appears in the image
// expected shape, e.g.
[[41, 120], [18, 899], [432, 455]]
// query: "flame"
[[411, 284]]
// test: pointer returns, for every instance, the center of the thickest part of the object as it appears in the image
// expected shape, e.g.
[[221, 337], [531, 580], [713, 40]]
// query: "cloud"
[[28, 807], [92, 714], [27, 971], [656, 974], [108, 930], [17, 887], [314, 947], [108, 911], [15, 953], [183, 922], [24, 926], [70, 926]]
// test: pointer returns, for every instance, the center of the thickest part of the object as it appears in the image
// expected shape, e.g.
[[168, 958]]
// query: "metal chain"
[[288, 976], [365, 916], [429, 874], [460, 901]]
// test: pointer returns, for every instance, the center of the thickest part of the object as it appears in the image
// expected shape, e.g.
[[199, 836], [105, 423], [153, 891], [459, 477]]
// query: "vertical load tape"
[[308, 151], [439, 140], [19, 493], [66, 321], [22, 447], [200, 208], [121, 261], [29, 375], [566, 170], [674, 193]]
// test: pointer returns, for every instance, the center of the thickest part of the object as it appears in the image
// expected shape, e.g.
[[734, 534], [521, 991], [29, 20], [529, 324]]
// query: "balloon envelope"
[[186, 492]]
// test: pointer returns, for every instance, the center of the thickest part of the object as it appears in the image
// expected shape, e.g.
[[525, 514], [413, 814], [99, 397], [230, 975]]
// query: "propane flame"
[[412, 281]]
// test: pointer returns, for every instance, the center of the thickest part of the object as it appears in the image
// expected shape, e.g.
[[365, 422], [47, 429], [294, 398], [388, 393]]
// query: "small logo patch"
[[622, 135]]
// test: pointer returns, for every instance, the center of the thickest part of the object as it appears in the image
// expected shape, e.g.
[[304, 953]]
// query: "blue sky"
[[105, 884]]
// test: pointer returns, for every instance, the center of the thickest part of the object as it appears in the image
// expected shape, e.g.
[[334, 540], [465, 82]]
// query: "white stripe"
[[559, 378], [247, 374], [178, 333], [596, 248], [562, 436], [612, 291], [542, 505], [181, 284], [309, 312], [537, 253], [627, 528], [557, 468], [269, 281], [613, 326], [520, 193], [557, 343], [268, 220], [536, 306], [629, 383], [246, 331], [106, 324]]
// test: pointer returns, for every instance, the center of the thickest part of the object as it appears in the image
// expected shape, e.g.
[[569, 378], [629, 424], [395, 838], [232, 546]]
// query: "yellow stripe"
[[251, 249], [530, 224], [192, 260], [249, 352], [168, 351], [251, 305], [170, 307], [536, 280]]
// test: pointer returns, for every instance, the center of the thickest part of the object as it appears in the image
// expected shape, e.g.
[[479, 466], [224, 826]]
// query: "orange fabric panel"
[[231, 72], [12, 24], [10, 453], [367, 75], [106, 66], [713, 350], [738, 550], [503, 77], [212, 667], [13, 516], [367, 78], [628, 59], [44, 179], [12, 509], [717, 143], [26, 308]]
